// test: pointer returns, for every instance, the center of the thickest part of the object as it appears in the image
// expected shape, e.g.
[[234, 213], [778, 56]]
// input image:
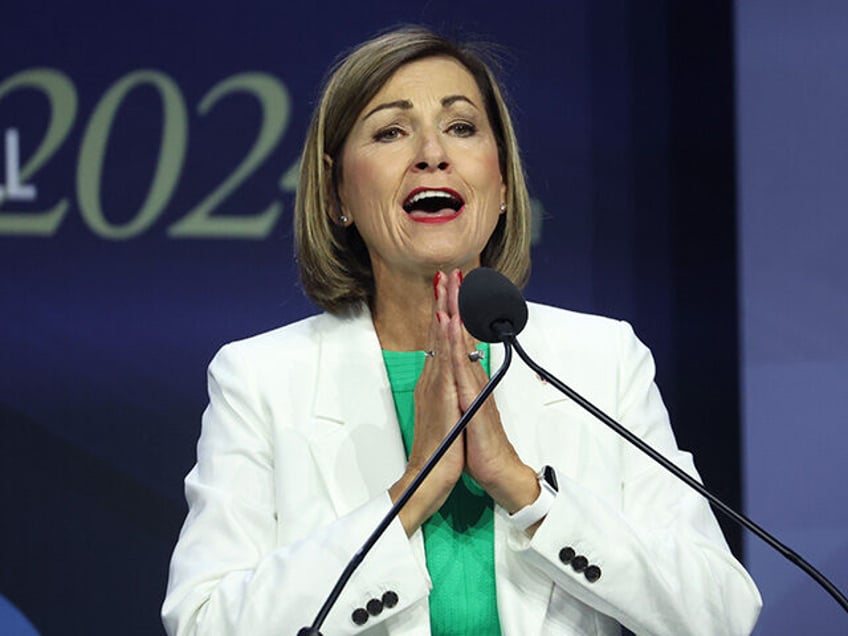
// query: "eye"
[[463, 129], [388, 134]]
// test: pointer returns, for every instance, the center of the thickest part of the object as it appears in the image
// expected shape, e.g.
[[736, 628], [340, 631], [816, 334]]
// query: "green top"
[[459, 539]]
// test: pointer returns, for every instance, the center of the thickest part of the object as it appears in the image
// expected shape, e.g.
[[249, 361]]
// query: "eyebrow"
[[450, 100], [405, 104]]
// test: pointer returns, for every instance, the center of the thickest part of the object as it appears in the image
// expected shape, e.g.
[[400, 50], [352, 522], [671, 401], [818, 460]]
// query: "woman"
[[538, 521]]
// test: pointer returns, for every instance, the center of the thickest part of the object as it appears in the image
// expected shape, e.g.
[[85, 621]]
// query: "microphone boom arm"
[[740, 519]]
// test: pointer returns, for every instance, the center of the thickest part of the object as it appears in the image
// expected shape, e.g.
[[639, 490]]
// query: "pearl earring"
[[343, 219], [503, 207]]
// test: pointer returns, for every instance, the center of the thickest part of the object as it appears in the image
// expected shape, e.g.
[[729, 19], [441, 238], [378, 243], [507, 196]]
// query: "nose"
[[432, 154]]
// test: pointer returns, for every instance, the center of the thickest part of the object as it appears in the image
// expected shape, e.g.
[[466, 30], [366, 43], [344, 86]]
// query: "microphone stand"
[[740, 519], [455, 432]]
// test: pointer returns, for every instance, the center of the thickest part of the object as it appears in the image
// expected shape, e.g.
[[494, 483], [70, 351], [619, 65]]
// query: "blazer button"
[[359, 616], [579, 563], [374, 606], [566, 554], [592, 573], [390, 599]]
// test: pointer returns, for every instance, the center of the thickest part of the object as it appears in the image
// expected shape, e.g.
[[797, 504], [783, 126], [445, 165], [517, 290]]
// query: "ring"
[[476, 356], [430, 353]]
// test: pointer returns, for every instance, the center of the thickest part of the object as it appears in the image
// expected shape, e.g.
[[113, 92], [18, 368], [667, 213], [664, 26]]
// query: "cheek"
[[490, 173], [362, 179]]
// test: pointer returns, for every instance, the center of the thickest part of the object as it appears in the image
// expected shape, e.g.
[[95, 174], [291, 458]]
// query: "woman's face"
[[420, 176]]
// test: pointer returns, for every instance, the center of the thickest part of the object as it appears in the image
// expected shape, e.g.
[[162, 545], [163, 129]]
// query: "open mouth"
[[433, 205]]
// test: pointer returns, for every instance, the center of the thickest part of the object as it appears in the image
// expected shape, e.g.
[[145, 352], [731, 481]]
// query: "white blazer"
[[300, 443]]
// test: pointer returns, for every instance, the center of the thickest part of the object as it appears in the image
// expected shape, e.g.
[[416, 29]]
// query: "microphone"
[[495, 311], [501, 312], [491, 306]]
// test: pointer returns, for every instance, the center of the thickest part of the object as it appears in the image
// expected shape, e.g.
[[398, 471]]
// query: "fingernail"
[[436, 280], [460, 276]]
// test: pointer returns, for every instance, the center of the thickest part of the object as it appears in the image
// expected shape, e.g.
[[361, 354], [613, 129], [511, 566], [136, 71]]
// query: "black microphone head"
[[491, 306]]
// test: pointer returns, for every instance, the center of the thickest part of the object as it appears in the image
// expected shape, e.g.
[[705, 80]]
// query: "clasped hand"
[[448, 385]]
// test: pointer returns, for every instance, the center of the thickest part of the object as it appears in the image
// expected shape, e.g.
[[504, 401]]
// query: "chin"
[[449, 262]]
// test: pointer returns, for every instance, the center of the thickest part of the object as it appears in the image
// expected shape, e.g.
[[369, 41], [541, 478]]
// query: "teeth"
[[426, 194]]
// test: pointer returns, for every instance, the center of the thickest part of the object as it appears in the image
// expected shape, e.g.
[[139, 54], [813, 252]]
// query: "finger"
[[454, 280], [454, 284], [461, 341], [469, 376], [439, 306], [441, 291], [437, 378]]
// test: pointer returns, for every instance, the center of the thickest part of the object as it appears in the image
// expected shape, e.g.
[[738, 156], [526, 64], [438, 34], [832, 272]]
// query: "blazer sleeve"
[[228, 574], [653, 558]]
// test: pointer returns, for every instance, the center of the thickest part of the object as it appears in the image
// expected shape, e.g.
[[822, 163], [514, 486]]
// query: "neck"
[[403, 311]]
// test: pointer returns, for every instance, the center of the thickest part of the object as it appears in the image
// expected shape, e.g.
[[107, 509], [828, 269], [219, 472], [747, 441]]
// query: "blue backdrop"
[[793, 162], [148, 159]]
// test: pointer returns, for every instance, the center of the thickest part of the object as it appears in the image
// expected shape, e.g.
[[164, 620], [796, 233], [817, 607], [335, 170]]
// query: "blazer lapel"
[[534, 413], [354, 437]]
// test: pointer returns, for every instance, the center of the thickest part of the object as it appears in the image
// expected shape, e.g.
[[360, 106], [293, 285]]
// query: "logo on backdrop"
[[200, 220]]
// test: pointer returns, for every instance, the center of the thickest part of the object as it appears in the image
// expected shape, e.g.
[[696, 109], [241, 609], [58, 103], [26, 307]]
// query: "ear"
[[335, 207], [503, 195]]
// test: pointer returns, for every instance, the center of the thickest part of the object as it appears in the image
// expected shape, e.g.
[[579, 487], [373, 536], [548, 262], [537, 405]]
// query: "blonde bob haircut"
[[335, 269]]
